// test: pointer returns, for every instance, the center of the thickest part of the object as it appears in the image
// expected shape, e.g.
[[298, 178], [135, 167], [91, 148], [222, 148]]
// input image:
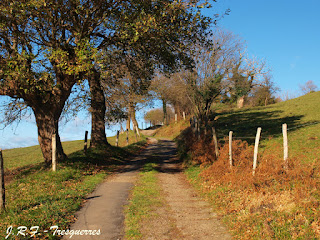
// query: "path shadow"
[[153, 127], [112, 159], [162, 156], [92, 197]]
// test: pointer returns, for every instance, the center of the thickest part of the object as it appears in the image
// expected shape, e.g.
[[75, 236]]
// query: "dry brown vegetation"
[[276, 203]]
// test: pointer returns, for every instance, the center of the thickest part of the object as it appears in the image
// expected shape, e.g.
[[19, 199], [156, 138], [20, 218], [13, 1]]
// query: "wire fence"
[[197, 130], [271, 136]]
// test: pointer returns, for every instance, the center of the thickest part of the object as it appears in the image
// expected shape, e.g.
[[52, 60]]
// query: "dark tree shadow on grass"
[[107, 159], [244, 123]]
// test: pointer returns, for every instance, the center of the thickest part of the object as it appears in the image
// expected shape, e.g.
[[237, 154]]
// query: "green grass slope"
[[172, 130], [20, 157], [277, 202], [302, 115], [36, 196]]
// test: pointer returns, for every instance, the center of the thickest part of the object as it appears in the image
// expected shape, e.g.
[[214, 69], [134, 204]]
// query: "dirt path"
[[183, 216], [193, 217]]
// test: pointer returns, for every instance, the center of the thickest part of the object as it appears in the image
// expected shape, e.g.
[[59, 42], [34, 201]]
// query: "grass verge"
[[38, 197], [145, 198]]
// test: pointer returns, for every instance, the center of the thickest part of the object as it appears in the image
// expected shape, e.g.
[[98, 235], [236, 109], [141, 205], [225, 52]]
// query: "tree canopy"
[[46, 47]]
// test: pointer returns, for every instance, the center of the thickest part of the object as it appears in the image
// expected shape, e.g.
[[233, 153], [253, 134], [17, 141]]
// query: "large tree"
[[159, 35], [264, 93], [308, 87], [201, 86], [46, 48], [246, 73]]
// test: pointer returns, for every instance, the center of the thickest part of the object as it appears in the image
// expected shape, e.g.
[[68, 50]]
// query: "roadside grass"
[[276, 203], [39, 197], [145, 197]]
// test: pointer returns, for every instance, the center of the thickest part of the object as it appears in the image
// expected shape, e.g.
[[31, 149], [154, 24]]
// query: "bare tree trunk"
[[266, 101], [47, 125], [164, 109], [98, 110], [128, 119], [177, 110], [133, 116], [240, 102], [47, 106]]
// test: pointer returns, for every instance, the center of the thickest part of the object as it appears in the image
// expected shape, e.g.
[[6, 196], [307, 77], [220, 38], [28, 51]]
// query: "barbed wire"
[[271, 136], [306, 124]]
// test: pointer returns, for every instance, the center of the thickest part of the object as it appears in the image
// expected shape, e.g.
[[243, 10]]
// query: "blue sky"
[[286, 34]]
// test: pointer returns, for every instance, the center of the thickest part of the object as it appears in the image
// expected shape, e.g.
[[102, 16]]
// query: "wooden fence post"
[[184, 116], [215, 141], [85, 147], [127, 137], [256, 148], [117, 139], [230, 148], [2, 188], [285, 144], [54, 152]]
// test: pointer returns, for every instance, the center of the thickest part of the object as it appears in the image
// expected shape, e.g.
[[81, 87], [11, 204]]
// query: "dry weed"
[[281, 199]]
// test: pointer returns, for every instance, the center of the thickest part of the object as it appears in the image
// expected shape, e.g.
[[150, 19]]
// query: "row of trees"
[[223, 73], [157, 116], [110, 50]]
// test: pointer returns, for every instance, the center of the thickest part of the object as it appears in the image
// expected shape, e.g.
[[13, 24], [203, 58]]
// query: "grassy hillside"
[[302, 116], [277, 202], [172, 130], [20, 157]]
